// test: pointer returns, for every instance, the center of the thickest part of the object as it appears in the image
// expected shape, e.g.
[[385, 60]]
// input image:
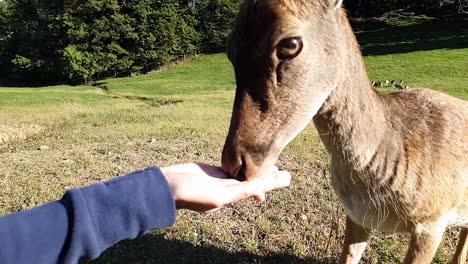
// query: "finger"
[[256, 188], [196, 169], [265, 184], [260, 197], [211, 211], [184, 168], [271, 169], [213, 171]]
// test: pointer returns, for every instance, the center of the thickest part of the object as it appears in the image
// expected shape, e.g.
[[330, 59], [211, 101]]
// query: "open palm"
[[205, 188]]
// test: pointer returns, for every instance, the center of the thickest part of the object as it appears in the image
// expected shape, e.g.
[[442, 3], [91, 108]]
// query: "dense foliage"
[[431, 7], [77, 41]]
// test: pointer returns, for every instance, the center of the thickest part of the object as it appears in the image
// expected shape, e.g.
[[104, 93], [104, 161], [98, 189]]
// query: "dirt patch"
[[149, 101], [101, 85], [14, 132]]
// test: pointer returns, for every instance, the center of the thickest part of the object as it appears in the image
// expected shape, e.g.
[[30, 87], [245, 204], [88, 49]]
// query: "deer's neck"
[[352, 122]]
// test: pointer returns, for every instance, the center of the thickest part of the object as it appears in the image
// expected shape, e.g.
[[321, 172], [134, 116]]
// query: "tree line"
[[366, 8], [78, 41]]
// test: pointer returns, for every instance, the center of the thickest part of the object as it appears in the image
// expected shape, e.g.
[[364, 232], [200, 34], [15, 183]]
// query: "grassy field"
[[181, 115]]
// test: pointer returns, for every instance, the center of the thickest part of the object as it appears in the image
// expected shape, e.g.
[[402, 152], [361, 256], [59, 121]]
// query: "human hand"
[[205, 188]]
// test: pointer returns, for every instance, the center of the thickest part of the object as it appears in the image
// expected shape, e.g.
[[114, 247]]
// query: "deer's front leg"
[[425, 240], [462, 248], [355, 243]]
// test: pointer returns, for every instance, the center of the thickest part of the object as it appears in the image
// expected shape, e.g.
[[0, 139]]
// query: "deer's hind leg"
[[462, 248], [425, 240], [355, 243]]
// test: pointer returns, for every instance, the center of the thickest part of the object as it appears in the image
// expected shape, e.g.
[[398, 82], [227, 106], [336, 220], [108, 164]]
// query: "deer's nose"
[[232, 162], [238, 163]]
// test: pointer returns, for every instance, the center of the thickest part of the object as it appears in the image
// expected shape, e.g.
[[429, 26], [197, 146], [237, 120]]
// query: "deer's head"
[[287, 56]]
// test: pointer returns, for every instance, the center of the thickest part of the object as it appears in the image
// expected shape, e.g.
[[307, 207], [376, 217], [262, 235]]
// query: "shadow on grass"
[[402, 36], [147, 100], [156, 249]]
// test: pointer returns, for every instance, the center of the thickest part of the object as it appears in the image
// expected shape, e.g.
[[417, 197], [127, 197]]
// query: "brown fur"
[[399, 161]]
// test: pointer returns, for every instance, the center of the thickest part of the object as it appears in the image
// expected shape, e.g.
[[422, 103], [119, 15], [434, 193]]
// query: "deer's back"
[[431, 123]]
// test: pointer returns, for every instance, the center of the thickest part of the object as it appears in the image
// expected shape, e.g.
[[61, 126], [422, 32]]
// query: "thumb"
[[260, 197], [276, 180], [257, 188]]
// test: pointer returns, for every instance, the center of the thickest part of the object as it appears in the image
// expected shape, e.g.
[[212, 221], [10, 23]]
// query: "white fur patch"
[[458, 218], [338, 4]]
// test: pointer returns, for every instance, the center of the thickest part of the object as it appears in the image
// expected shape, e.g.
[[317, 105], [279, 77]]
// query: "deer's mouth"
[[241, 172]]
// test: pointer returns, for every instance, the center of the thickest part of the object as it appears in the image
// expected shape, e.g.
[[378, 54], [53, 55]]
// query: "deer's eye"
[[289, 48]]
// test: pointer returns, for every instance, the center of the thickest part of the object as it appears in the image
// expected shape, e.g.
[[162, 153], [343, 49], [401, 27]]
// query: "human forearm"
[[86, 221]]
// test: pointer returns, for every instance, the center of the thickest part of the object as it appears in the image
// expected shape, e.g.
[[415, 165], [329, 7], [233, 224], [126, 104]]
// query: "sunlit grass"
[[182, 115]]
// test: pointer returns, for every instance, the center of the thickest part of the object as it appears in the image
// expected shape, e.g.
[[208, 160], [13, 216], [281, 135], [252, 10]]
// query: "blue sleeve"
[[87, 221]]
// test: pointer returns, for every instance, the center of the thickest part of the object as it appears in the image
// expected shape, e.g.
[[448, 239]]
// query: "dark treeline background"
[[77, 41], [366, 8]]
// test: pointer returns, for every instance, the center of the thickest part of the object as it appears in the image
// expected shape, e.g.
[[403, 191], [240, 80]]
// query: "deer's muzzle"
[[239, 163]]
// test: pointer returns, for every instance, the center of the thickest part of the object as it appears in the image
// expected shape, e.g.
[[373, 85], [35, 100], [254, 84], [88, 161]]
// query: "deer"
[[399, 86], [378, 84], [398, 161]]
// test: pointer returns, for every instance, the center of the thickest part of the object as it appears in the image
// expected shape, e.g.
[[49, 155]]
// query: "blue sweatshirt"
[[87, 221]]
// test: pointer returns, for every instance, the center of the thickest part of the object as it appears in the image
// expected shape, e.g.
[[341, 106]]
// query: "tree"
[[77, 41], [4, 35], [95, 29], [33, 38], [116, 38], [367, 8], [216, 19], [163, 32], [460, 5]]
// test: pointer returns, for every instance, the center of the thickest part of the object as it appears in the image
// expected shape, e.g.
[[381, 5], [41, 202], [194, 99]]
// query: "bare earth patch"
[[15, 132]]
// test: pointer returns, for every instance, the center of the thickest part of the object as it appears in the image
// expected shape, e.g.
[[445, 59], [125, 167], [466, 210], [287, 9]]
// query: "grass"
[[443, 70], [207, 74], [95, 135], [423, 53], [14, 97]]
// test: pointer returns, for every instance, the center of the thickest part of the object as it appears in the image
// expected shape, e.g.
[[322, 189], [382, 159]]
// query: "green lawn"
[[423, 53], [45, 96], [205, 74], [95, 134]]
